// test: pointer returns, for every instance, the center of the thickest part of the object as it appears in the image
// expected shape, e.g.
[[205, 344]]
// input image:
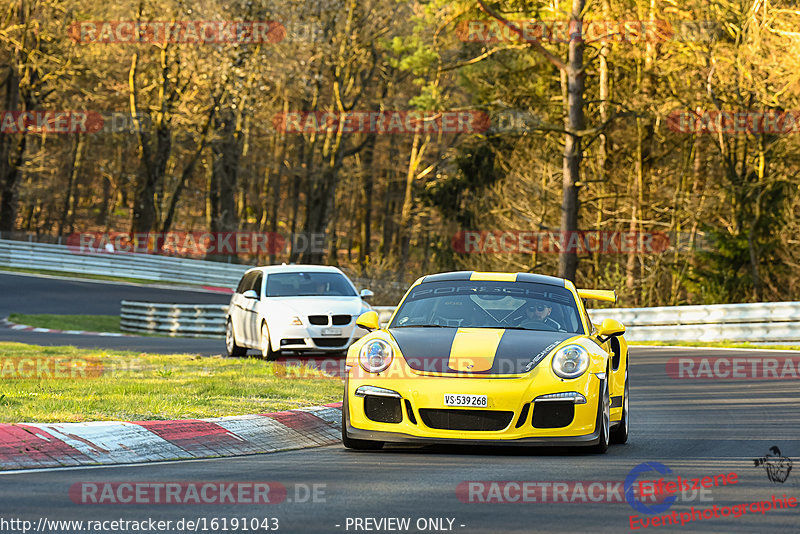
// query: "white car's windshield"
[[485, 304], [308, 284]]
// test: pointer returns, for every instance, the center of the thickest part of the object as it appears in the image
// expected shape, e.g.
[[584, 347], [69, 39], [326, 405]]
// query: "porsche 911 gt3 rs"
[[488, 358]]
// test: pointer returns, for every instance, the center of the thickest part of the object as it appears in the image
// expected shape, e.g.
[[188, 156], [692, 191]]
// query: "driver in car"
[[538, 314]]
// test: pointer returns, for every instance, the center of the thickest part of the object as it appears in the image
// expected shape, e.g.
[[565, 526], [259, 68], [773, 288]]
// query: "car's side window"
[[242, 284], [256, 286]]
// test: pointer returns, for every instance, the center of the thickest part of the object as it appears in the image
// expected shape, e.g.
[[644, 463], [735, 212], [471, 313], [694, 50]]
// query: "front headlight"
[[376, 355], [571, 361], [295, 321]]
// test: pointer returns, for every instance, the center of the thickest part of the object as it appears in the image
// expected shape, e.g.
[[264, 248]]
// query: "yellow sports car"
[[488, 358]]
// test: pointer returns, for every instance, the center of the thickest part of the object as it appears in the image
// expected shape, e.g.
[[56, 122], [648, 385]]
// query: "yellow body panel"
[[473, 349], [476, 347]]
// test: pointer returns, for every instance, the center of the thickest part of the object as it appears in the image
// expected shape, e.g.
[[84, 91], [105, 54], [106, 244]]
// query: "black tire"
[[230, 342], [357, 444], [266, 344], [603, 417], [620, 434]]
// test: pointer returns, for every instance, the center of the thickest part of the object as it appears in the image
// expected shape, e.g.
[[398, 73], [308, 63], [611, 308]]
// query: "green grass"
[[720, 344], [131, 386], [91, 323]]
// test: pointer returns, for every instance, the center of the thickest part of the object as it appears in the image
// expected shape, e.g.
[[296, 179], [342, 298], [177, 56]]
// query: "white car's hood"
[[305, 306]]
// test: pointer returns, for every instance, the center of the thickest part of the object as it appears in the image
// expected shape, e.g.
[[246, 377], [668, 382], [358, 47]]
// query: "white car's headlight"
[[571, 361], [295, 321], [376, 355]]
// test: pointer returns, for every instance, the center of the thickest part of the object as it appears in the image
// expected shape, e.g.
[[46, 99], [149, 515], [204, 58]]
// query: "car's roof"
[[297, 268], [500, 277]]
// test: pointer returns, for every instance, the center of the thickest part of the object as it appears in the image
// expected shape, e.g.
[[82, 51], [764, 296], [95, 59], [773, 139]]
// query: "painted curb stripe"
[[29, 445], [22, 447], [110, 442]]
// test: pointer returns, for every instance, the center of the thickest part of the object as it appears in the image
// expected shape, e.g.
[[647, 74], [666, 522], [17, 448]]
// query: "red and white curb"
[[42, 445], [25, 328]]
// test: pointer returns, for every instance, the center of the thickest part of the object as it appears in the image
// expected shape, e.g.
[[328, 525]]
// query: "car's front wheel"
[[603, 417], [266, 344], [620, 434], [230, 341]]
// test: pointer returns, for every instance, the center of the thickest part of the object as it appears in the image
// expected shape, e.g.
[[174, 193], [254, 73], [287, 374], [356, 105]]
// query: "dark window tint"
[[309, 285]]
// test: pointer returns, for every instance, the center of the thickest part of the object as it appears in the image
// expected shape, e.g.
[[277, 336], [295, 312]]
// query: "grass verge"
[[75, 385], [91, 323], [719, 344]]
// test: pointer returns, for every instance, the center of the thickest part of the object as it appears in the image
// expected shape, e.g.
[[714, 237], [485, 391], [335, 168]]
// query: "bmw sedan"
[[297, 308]]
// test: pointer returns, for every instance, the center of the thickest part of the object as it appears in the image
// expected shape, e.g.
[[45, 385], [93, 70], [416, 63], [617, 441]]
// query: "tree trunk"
[[568, 258]]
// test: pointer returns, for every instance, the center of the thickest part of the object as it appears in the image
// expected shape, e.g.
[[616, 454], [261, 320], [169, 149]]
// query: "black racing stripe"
[[540, 279], [425, 349], [616, 402], [455, 276], [522, 350]]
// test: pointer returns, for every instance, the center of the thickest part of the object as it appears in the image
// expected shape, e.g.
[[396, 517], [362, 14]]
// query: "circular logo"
[[630, 483]]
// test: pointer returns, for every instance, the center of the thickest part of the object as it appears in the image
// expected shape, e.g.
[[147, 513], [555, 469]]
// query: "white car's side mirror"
[[366, 294], [250, 294]]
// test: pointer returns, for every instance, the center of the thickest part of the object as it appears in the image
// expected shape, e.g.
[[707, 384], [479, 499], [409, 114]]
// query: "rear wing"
[[598, 294]]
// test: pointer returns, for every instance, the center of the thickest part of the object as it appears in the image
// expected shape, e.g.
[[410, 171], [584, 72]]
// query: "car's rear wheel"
[[620, 434], [603, 417], [266, 344], [230, 342], [357, 444]]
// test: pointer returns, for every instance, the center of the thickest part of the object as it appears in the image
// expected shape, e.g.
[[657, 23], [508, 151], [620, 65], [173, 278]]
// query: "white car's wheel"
[[266, 345], [230, 342]]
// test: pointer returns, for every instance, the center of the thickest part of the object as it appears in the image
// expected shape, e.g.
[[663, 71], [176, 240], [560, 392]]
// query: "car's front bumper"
[[504, 394]]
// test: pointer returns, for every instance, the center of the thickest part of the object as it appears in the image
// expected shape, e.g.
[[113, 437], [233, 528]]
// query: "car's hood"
[[305, 306], [475, 350]]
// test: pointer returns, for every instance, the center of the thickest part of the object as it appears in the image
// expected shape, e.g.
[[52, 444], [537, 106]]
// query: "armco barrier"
[[767, 322], [27, 255], [187, 320]]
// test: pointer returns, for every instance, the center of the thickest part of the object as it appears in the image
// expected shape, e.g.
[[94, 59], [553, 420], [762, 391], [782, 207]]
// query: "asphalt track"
[[695, 428], [33, 294]]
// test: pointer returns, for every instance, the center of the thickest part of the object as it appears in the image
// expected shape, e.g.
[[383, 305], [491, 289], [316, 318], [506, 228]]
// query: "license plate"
[[477, 401], [331, 331]]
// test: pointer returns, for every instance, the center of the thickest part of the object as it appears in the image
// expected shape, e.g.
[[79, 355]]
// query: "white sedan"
[[294, 308]]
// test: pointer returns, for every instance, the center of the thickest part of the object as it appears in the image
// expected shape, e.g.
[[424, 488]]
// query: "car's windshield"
[[308, 284], [489, 304]]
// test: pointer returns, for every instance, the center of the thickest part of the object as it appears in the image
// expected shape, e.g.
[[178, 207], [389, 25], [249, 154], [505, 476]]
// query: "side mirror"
[[610, 328], [366, 294], [369, 321], [250, 294]]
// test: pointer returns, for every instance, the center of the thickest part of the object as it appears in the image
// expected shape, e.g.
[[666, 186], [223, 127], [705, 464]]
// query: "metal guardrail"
[[760, 322], [185, 320], [27, 255], [776, 322]]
